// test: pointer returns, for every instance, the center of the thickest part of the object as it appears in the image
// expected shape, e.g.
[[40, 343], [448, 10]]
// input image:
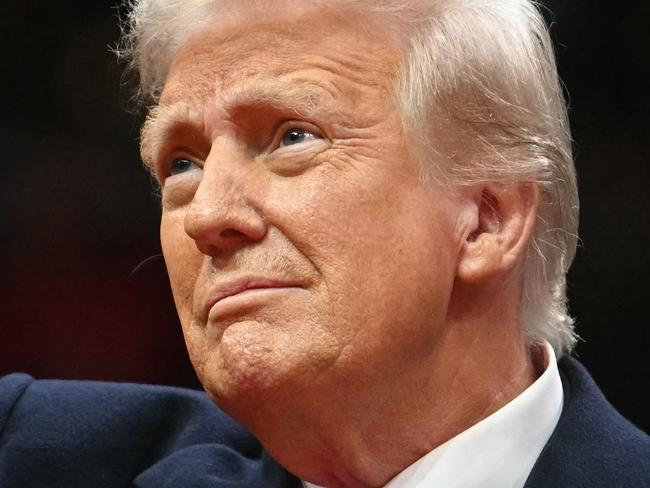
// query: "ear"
[[502, 225]]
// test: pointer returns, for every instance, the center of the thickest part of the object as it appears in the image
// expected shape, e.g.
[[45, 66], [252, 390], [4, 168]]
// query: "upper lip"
[[234, 286]]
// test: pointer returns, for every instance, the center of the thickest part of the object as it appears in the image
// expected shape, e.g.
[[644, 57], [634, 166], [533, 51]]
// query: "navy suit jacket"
[[81, 434], [77, 434], [592, 446]]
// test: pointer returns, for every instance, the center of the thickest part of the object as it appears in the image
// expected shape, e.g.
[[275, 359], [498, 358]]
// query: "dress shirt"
[[500, 450]]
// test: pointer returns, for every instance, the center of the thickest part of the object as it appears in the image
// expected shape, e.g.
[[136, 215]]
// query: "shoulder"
[[592, 445], [117, 411], [83, 433], [11, 389]]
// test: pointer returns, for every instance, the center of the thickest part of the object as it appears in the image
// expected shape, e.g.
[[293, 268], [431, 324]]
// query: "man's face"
[[308, 261]]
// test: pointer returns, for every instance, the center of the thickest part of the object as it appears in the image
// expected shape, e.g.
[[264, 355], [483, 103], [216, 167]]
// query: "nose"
[[222, 217]]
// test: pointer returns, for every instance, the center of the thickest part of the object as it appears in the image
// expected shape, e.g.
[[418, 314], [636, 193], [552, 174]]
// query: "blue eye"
[[296, 136], [181, 165]]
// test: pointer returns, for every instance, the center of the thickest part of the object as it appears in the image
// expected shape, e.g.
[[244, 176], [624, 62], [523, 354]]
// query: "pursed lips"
[[238, 286]]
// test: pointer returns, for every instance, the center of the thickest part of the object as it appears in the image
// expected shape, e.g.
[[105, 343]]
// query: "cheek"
[[374, 219], [384, 246], [183, 262]]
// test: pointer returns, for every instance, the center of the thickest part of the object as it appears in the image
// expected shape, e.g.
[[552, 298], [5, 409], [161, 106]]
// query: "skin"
[[396, 326]]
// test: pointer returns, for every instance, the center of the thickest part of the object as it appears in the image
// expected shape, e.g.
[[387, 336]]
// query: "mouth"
[[234, 293]]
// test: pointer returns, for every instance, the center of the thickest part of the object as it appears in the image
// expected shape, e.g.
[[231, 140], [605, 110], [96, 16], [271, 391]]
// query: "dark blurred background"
[[78, 214]]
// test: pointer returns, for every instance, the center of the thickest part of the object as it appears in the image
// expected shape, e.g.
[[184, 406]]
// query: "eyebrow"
[[303, 99], [160, 122]]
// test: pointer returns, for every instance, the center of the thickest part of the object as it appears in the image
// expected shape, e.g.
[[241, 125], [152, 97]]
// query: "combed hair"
[[483, 68]]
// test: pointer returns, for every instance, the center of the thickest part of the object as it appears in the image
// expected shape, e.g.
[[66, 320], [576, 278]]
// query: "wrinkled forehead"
[[316, 65], [252, 42]]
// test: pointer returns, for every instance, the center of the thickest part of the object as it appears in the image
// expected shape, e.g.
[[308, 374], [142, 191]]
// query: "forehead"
[[346, 55]]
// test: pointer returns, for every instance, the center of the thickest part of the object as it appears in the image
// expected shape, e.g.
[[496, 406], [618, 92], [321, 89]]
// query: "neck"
[[374, 427]]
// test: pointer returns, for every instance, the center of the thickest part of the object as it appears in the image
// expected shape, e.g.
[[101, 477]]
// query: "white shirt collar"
[[500, 450]]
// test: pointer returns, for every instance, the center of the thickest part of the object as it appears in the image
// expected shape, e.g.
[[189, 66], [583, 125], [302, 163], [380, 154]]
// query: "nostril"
[[232, 234]]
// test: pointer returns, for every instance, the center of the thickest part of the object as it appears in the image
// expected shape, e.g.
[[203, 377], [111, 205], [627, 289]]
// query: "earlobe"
[[504, 222]]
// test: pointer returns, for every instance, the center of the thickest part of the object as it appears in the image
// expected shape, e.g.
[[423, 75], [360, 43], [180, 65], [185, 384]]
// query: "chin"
[[261, 365], [249, 365]]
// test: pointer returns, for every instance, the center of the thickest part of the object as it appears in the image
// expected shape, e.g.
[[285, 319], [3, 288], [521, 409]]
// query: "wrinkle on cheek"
[[183, 262], [365, 152], [197, 347], [372, 143], [362, 160]]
